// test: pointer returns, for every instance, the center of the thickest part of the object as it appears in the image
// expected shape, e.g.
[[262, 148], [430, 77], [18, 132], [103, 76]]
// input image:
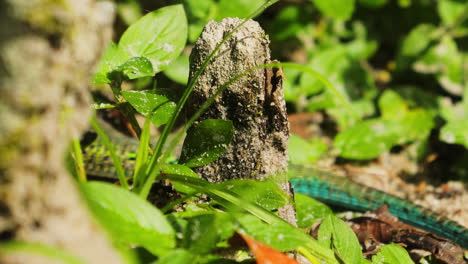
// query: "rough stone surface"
[[48, 50], [254, 103]]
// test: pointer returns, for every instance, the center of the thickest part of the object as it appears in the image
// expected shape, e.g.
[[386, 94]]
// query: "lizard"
[[325, 187]]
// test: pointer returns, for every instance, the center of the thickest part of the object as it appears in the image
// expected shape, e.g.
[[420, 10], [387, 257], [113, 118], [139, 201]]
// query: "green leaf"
[[177, 169], [238, 8], [455, 131], [345, 118], [178, 256], [339, 9], [112, 58], [392, 106], [199, 13], [309, 210], [158, 36], [278, 235], [266, 194], [367, 139], [206, 142], [178, 70], [336, 233], [392, 254], [417, 40], [135, 67], [301, 151], [130, 219], [329, 62], [416, 124], [446, 62], [149, 102], [204, 231], [451, 10]]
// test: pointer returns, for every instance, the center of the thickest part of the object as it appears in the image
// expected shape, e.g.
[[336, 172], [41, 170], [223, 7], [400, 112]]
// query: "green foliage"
[[131, 220], [374, 109], [337, 234], [309, 210], [151, 104], [340, 9], [146, 47], [302, 151], [397, 125], [392, 254], [206, 142]]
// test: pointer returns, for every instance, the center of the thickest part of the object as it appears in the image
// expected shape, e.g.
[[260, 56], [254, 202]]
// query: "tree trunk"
[[48, 50]]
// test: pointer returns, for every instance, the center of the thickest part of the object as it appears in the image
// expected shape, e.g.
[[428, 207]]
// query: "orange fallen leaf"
[[266, 255]]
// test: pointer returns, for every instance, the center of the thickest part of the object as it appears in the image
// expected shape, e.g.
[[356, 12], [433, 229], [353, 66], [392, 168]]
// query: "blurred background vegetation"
[[402, 65]]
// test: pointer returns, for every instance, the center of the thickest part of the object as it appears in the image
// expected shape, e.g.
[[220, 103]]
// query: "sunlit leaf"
[[309, 210], [392, 254], [266, 194], [130, 219], [148, 102], [158, 36], [178, 70], [340, 9], [334, 232], [301, 151]]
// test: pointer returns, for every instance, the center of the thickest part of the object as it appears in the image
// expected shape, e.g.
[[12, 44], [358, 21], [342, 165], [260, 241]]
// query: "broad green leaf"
[[130, 219], [136, 67], [279, 235], [301, 151], [336, 233], [238, 8], [178, 256], [417, 40], [266, 194], [199, 13], [416, 124], [206, 142], [178, 70], [204, 231], [129, 11], [455, 132], [392, 106], [146, 103], [345, 118], [340, 9], [329, 62], [309, 210], [367, 139], [177, 169], [451, 10], [392, 254], [113, 57], [446, 62], [158, 36], [361, 48]]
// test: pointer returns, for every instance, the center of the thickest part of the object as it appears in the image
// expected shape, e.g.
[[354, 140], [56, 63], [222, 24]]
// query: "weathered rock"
[[254, 103]]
